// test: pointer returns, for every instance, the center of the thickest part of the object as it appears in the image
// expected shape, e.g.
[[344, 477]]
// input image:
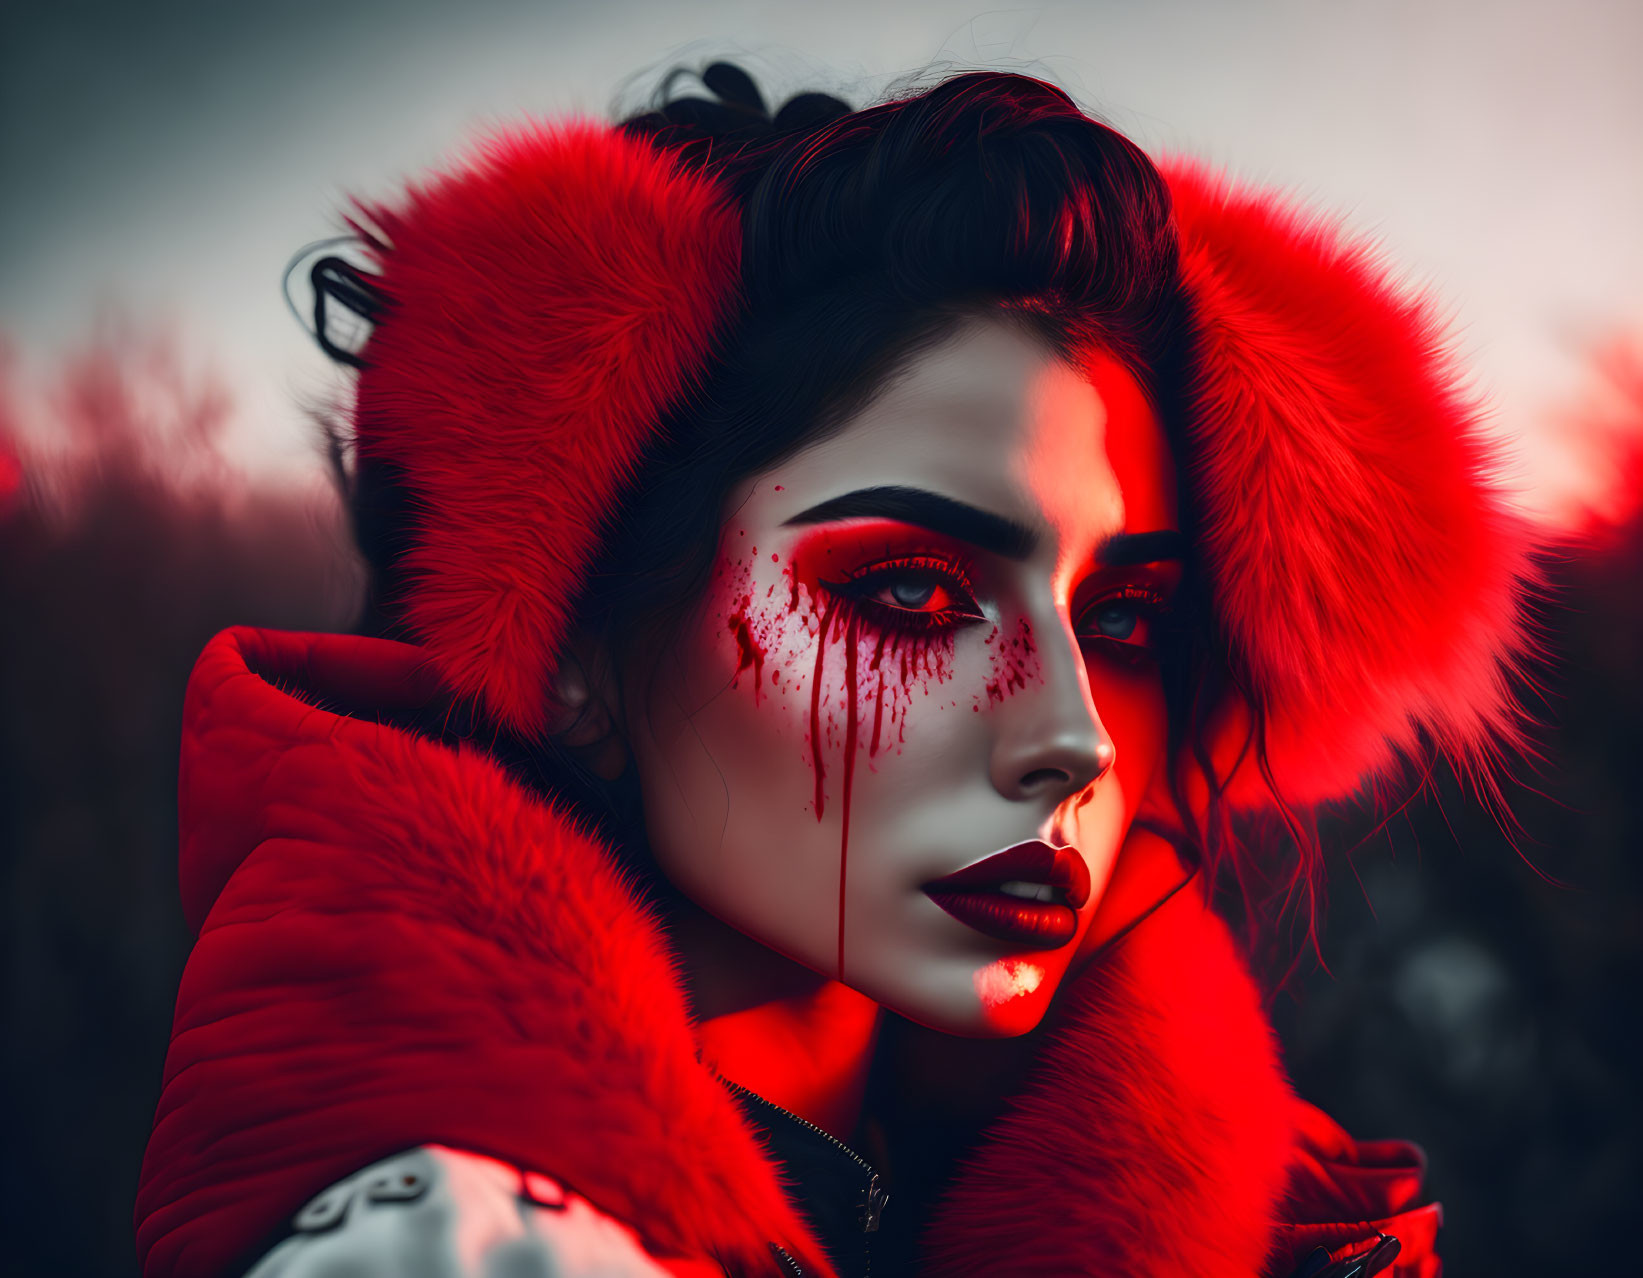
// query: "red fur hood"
[[1366, 569], [398, 945]]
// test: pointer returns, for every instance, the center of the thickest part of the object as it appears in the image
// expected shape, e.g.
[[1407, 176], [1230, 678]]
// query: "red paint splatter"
[[884, 673], [868, 675], [749, 652], [1015, 662]]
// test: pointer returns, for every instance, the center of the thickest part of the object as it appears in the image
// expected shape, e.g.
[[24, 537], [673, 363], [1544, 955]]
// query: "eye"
[[905, 593], [1116, 620], [1128, 617], [915, 591], [922, 592]]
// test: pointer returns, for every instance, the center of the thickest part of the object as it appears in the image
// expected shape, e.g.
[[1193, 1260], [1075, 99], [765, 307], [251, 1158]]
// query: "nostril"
[[1040, 777]]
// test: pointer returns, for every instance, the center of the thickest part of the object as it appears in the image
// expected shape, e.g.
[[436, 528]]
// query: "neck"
[[766, 1023]]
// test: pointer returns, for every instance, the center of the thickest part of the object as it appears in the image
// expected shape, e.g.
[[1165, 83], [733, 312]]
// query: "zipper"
[[831, 1139], [877, 1196]]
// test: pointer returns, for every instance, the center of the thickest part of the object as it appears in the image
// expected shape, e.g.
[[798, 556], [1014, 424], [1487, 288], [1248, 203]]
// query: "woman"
[[841, 575]]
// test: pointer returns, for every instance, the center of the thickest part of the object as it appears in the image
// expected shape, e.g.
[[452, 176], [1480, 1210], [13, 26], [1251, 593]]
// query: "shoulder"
[[451, 1213]]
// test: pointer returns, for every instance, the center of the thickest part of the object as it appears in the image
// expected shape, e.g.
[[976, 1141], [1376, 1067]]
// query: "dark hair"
[[867, 236]]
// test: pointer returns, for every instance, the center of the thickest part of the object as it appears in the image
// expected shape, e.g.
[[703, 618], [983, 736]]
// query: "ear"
[[584, 713]]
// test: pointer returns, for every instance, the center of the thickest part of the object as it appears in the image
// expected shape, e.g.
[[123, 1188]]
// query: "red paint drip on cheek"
[[878, 694], [815, 702], [851, 639], [851, 635], [925, 658]]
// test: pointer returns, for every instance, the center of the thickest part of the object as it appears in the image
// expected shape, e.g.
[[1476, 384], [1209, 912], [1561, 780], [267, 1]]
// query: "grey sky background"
[[168, 158]]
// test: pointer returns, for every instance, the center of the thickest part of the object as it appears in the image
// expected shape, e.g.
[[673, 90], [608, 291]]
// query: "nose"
[[1049, 742]]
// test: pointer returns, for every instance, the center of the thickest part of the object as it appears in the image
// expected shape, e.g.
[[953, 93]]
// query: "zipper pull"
[[878, 1198]]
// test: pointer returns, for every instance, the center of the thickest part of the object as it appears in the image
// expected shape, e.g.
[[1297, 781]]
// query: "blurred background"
[[161, 477]]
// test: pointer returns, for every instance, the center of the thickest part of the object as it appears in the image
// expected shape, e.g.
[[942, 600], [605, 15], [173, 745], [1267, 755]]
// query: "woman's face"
[[927, 641]]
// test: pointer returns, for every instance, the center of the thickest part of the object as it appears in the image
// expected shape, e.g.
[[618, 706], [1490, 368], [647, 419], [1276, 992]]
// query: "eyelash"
[[860, 586]]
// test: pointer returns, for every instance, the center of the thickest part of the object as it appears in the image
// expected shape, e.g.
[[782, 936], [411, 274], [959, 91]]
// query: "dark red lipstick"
[[1028, 895]]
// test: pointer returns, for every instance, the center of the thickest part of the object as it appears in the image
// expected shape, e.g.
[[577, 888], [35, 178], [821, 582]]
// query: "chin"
[[998, 998]]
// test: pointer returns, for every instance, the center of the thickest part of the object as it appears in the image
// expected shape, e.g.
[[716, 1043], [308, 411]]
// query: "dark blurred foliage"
[[126, 541], [1484, 991], [1471, 1003]]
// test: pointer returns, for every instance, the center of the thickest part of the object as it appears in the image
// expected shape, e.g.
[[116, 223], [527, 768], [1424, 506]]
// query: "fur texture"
[[549, 298], [399, 946], [552, 295], [410, 950], [1366, 568], [1155, 1136]]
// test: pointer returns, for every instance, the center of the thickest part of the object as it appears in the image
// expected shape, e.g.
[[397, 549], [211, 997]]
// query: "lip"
[[971, 895]]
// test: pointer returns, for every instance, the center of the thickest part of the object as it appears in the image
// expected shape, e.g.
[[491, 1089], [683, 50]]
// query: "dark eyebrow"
[[1130, 550], [939, 514]]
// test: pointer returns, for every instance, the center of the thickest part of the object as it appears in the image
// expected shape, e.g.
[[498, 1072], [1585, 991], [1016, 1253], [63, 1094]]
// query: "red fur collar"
[[398, 945]]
